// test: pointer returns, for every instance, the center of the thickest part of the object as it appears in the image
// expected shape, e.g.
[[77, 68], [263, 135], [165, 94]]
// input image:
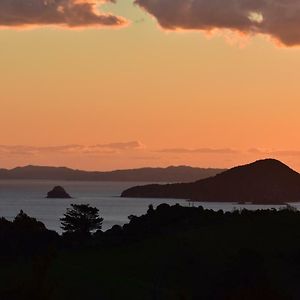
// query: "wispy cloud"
[[122, 146], [198, 151], [274, 152], [277, 18], [66, 13], [109, 148]]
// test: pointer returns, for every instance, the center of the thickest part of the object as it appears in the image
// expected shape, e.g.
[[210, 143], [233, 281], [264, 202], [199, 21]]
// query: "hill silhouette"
[[169, 174], [261, 182]]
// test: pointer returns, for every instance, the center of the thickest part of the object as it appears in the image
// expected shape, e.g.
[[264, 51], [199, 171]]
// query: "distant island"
[[267, 181], [58, 192], [169, 174]]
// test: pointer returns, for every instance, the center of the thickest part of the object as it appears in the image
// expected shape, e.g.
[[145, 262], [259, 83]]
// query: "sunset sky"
[[152, 83]]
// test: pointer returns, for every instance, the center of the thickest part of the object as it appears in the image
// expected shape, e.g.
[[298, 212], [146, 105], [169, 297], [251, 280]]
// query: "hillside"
[[169, 253], [264, 181], [169, 174]]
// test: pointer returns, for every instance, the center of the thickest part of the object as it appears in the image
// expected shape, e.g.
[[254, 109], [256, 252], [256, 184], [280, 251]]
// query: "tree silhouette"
[[81, 218], [23, 222]]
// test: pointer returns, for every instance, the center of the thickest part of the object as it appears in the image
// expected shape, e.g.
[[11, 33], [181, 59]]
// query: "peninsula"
[[267, 181]]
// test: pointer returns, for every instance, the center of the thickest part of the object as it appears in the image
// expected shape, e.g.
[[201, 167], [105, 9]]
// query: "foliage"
[[81, 218], [170, 253], [24, 222]]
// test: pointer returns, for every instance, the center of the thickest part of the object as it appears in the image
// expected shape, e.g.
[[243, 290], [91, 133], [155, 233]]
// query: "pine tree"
[[81, 218]]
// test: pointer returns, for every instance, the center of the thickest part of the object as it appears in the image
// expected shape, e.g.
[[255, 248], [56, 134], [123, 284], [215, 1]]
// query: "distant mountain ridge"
[[169, 174], [261, 182]]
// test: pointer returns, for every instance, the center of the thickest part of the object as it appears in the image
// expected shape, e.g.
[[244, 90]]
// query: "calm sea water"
[[30, 197]]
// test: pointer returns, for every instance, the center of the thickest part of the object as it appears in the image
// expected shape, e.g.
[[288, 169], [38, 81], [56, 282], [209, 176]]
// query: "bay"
[[29, 195]]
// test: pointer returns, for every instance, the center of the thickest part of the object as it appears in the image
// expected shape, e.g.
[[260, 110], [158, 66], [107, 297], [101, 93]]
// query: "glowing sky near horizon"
[[102, 97]]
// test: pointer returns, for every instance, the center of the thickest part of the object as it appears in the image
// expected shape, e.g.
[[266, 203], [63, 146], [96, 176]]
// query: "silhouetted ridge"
[[261, 167], [264, 181], [169, 174]]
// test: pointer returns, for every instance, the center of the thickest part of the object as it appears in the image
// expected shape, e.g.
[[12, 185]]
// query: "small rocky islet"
[[58, 192]]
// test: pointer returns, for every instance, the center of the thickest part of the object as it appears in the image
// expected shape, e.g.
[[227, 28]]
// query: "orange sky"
[[143, 96]]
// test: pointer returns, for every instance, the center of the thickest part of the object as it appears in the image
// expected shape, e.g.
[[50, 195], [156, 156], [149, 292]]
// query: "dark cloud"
[[69, 13], [279, 19], [198, 151]]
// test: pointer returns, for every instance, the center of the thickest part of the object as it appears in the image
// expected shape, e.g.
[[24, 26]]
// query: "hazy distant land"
[[169, 174]]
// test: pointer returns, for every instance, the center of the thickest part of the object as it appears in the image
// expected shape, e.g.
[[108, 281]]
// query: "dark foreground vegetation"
[[172, 252]]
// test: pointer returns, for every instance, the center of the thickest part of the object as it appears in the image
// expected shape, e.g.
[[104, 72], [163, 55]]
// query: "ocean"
[[29, 195]]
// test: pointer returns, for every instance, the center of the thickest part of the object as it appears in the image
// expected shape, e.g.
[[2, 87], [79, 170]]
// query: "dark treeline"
[[171, 252]]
